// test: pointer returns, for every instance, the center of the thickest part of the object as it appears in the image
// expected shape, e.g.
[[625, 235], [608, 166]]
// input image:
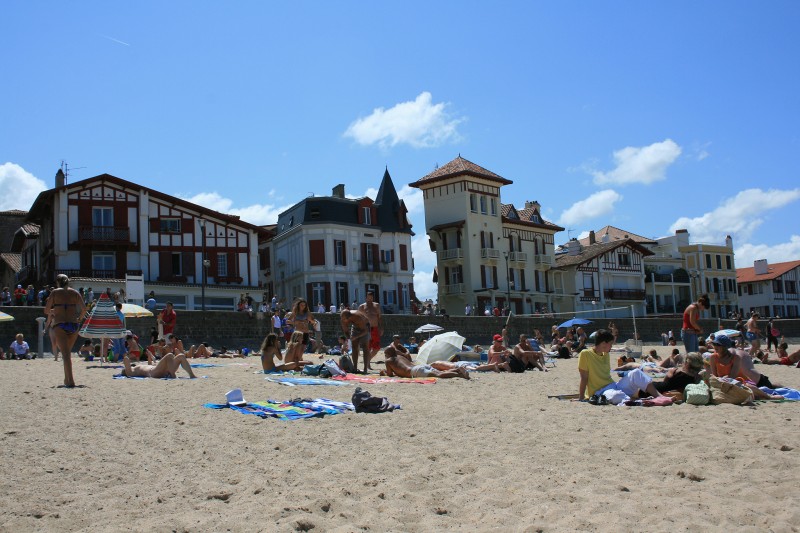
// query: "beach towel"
[[288, 410], [383, 379], [292, 381], [203, 365], [789, 394], [123, 376]]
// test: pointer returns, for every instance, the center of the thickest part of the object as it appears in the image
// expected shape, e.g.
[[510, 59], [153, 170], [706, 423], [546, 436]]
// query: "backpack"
[[364, 402], [516, 365], [697, 393], [563, 353], [346, 364]]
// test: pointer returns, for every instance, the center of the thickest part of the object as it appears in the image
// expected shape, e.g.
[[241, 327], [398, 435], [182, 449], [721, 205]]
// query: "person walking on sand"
[[68, 310], [373, 312], [691, 327]]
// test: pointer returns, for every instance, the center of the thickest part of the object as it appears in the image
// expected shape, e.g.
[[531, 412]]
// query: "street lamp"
[[204, 266], [508, 283]]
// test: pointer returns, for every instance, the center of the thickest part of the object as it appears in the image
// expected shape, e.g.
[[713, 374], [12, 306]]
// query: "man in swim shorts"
[[373, 312], [402, 367], [165, 368], [356, 324]]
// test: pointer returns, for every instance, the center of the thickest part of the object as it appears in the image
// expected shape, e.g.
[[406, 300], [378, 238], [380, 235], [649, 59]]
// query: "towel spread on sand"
[[291, 381], [789, 394], [383, 379], [123, 376], [204, 365], [288, 410], [279, 372]]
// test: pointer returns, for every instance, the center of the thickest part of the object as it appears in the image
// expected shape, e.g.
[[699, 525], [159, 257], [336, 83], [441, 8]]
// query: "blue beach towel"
[[789, 394], [204, 365], [288, 410], [294, 381]]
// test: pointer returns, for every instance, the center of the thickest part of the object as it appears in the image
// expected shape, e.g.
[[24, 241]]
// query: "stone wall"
[[235, 330]]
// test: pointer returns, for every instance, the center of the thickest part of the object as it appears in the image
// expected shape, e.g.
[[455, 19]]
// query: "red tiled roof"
[[14, 261], [525, 217], [616, 234], [30, 230], [591, 251], [748, 274], [457, 167]]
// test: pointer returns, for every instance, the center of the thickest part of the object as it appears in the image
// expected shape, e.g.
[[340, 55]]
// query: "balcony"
[[542, 261], [367, 266], [589, 295], [490, 253], [624, 294], [104, 234], [26, 275], [99, 273], [455, 253], [455, 288], [518, 256]]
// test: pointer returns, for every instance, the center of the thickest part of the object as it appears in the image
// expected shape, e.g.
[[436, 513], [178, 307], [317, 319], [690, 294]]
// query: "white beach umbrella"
[[429, 328], [440, 347], [133, 310]]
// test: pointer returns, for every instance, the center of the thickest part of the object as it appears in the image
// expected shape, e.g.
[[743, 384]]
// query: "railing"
[[518, 256], [228, 279], [455, 288], [99, 273], [26, 274], [678, 277], [490, 253], [542, 259], [104, 234], [624, 294], [455, 253], [366, 266]]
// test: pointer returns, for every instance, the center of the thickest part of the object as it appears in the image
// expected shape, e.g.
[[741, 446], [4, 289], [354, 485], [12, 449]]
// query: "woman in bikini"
[[68, 310], [269, 349], [295, 349], [300, 318]]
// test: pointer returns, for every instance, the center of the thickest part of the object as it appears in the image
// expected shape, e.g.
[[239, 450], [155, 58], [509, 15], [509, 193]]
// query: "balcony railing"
[[111, 234], [518, 256], [366, 266], [26, 275], [624, 294], [99, 273], [588, 295], [490, 253], [678, 277], [455, 288], [455, 253], [542, 259]]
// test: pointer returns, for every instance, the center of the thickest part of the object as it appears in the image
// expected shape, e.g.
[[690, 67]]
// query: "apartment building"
[[769, 289]]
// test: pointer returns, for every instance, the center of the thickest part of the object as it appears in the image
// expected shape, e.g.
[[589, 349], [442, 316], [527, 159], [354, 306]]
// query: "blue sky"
[[647, 116]]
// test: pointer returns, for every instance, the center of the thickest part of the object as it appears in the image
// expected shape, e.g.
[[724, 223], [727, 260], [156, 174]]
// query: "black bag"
[[364, 402], [516, 365], [563, 353], [346, 364]]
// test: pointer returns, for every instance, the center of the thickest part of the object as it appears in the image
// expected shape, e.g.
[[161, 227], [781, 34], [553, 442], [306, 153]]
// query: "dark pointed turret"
[[391, 209]]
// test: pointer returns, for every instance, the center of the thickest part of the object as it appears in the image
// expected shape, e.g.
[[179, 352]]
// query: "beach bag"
[[697, 393], [364, 402], [727, 392], [563, 353], [346, 364], [516, 365], [312, 370], [333, 368]]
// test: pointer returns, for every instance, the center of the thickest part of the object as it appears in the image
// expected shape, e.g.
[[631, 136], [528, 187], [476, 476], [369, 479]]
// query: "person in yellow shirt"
[[594, 368]]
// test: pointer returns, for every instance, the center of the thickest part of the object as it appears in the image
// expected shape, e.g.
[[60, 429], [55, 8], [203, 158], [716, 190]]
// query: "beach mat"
[[288, 410], [358, 378], [204, 365], [123, 376]]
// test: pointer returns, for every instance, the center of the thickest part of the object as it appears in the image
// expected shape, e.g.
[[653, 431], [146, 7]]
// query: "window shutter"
[[344, 253], [403, 257], [309, 295], [360, 214], [154, 225], [522, 279], [458, 239], [316, 252], [411, 291], [364, 264], [374, 215], [384, 296], [328, 300], [494, 276], [233, 267], [491, 240], [483, 239], [546, 282], [85, 215], [187, 225], [483, 276], [400, 296], [164, 265], [346, 301], [121, 216], [187, 264], [122, 263], [376, 262], [538, 283], [447, 275]]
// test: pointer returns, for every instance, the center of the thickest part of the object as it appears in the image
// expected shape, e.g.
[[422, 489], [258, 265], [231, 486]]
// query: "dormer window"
[[291, 221], [536, 218], [367, 215]]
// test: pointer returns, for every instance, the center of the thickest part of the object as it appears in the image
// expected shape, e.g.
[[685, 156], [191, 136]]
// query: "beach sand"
[[492, 453]]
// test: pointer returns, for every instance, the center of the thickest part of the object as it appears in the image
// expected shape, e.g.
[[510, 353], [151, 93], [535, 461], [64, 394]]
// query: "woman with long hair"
[[68, 310], [301, 318], [295, 349], [270, 348]]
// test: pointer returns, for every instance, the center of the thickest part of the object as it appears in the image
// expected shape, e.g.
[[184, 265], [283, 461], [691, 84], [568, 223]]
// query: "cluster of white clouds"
[[595, 205], [18, 187], [259, 214], [419, 123], [778, 253], [644, 165]]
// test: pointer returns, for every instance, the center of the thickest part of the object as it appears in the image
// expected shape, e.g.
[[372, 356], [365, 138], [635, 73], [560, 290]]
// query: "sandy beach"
[[492, 453]]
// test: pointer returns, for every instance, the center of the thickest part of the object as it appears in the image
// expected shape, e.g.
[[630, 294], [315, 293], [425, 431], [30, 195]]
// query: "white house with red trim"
[[99, 229]]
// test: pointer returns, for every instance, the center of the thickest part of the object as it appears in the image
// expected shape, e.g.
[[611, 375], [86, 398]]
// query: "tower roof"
[[460, 167]]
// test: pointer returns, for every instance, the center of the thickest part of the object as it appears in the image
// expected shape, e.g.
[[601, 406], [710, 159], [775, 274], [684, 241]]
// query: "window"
[[318, 293], [340, 253], [588, 286], [456, 275], [367, 215], [316, 252], [315, 212], [371, 287], [389, 297], [473, 203], [708, 260], [222, 265], [176, 264], [387, 256], [102, 216], [102, 261], [719, 262], [791, 286], [728, 262], [494, 206], [511, 283], [170, 225], [369, 256], [535, 218], [483, 205], [341, 293], [624, 259], [777, 285]]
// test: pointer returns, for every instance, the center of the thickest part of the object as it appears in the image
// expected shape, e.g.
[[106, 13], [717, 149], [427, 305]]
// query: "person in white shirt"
[[333, 308], [20, 348]]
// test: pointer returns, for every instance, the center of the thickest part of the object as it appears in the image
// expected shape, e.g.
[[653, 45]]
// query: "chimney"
[[338, 191], [573, 247], [760, 266], [60, 178], [532, 203], [592, 238], [682, 237], [728, 242]]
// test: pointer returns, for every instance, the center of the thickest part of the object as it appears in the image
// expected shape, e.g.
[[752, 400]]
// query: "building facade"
[[488, 254], [333, 250], [102, 229], [712, 271], [770, 290]]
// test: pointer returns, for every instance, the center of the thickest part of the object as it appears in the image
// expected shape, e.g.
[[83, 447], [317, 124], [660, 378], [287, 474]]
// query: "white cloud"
[[424, 287], [738, 216], [778, 253], [598, 204], [258, 214], [413, 199], [421, 124], [18, 187], [640, 165]]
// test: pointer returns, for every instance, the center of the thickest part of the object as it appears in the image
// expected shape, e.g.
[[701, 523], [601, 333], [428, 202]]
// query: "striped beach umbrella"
[[103, 322]]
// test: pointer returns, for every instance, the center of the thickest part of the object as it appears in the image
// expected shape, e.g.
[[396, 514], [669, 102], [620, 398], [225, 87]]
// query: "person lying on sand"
[[784, 358], [165, 368], [270, 349], [402, 367], [470, 366], [677, 378]]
